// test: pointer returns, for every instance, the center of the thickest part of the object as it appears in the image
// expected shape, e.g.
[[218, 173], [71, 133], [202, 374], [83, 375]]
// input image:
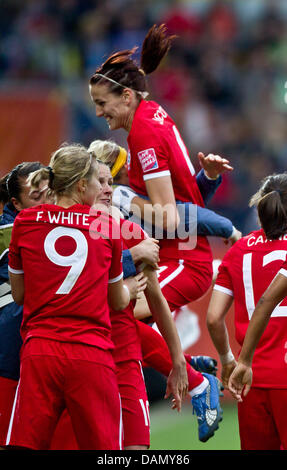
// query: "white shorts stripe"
[[121, 426], [172, 275], [145, 411], [140, 364], [8, 437]]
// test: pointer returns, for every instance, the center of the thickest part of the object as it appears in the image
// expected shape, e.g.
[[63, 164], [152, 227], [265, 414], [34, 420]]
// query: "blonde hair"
[[68, 164], [106, 151], [109, 153]]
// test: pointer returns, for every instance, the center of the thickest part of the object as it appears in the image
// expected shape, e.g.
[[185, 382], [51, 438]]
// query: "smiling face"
[[118, 110]]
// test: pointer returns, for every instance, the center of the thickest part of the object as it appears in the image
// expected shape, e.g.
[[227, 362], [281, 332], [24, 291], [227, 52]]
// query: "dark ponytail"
[[271, 203], [4, 196], [155, 47], [122, 69], [14, 180]]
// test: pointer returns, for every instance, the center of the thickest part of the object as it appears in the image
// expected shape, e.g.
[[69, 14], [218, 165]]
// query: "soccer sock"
[[200, 388], [156, 355]]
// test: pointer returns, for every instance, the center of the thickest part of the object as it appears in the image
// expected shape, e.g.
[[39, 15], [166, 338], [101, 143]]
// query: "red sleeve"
[[148, 148], [116, 268], [132, 233], [15, 262], [223, 281]]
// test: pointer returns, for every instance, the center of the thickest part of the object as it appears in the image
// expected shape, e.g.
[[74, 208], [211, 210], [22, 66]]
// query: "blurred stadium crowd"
[[223, 81]]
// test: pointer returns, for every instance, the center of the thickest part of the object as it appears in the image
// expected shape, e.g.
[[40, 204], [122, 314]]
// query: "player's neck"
[[127, 125], [67, 201]]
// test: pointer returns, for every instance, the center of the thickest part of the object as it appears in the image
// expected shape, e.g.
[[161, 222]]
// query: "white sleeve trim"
[[116, 279], [223, 289], [15, 271], [151, 176], [283, 271]]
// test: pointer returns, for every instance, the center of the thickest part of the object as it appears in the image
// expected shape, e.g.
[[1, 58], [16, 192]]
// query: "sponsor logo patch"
[[148, 159], [160, 115]]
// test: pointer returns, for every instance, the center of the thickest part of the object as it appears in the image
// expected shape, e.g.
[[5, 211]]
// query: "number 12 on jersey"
[[276, 255]]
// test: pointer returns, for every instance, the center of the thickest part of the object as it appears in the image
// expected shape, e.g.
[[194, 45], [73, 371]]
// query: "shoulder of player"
[[258, 238], [25, 213], [233, 252], [150, 118]]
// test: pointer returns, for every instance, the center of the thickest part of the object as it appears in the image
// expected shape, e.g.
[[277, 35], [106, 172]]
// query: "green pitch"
[[174, 431]]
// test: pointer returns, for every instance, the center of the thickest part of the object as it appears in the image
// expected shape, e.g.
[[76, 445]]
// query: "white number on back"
[[279, 311], [76, 260]]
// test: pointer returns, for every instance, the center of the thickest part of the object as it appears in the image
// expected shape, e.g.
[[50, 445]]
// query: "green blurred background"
[[171, 430]]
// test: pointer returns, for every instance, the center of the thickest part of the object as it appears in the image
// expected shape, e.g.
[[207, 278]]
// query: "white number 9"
[[76, 260]]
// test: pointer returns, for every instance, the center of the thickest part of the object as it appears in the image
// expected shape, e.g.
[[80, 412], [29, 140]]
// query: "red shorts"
[[182, 282], [64, 437], [7, 395], [262, 419], [55, 376], [135, 411], [135, 406]]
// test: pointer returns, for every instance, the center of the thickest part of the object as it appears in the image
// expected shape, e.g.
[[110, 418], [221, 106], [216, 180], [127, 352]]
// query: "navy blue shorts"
[[10, 340]]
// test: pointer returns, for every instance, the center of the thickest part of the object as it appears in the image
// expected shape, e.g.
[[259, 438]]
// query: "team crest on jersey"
[[148, 159], [160, 115]]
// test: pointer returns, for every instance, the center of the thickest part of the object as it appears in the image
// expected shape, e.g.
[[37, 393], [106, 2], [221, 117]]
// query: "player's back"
[[66, 272], [247, 270]]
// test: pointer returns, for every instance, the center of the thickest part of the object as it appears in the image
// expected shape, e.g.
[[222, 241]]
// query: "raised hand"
[[213, 165]]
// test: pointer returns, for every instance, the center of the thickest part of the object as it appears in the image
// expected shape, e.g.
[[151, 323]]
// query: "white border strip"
[[173, 275], [15, 271], [223, 289], [156, 175], [283, 272], [121, 427], [8, 437], [116, 279], [6, 300]]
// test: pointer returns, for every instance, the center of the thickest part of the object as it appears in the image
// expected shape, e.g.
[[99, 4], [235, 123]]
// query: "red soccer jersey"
[[67, 269], [156, 149], [124, 330], [246, 271]]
